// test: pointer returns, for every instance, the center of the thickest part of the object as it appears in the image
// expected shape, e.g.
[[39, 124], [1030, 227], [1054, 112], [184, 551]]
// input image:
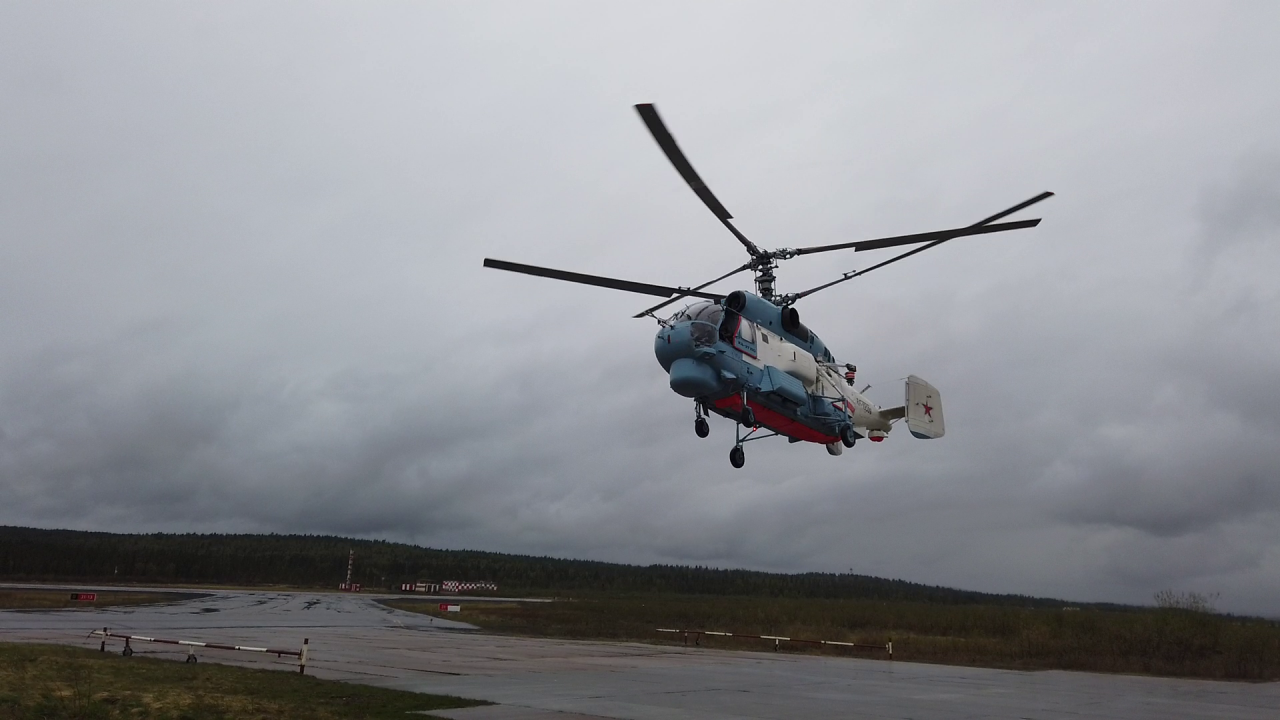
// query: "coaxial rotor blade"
[[1020, 206], [982, 223], [665, 303], [897, 240], [613, 283], [649, 114]]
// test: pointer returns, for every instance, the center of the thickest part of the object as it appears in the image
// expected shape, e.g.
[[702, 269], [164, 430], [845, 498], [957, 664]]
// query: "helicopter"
[[747, 357]]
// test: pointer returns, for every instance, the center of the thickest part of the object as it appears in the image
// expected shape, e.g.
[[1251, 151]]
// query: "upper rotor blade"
[[1020, 206], [657, 128], [896, 240], [613, 283], [665, 303], [649, 114], [948, 235], [981, 227]]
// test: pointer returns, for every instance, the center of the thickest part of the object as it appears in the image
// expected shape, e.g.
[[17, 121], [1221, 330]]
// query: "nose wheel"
[[737, 457], [701, 427]]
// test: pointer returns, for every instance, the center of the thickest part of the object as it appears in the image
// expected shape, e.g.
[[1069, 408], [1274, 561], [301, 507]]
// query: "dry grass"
[[47, 682], [1170, 642], [28, 599]]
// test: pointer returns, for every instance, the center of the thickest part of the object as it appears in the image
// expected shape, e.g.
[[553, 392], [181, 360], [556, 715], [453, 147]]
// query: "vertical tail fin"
[[924, 409]]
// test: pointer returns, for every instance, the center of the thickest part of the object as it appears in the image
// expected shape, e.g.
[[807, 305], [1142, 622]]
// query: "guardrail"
[[777, 639], [191, 645]]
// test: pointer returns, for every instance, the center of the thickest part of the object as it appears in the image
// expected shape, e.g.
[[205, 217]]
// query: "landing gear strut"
[[737, 457], [748, 416], [700, 425]]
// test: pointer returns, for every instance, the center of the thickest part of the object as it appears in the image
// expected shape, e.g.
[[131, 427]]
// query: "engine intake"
[[791, 323]]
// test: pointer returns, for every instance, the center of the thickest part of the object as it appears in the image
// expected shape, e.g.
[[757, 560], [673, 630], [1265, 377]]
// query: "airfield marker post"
[[302, 656], [777, 639]]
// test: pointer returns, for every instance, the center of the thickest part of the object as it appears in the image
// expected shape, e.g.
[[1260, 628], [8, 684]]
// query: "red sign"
[[84, 597], [444, 607]]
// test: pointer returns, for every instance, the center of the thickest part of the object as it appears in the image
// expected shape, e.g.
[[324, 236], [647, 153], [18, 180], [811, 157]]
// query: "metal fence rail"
[[191, 645], [777, 639]]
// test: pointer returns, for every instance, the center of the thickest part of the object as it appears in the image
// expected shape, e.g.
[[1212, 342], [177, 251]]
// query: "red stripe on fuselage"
[[775, 421]]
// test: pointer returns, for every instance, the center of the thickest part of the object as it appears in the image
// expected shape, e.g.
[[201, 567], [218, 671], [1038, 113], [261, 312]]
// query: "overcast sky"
[[241, 283]]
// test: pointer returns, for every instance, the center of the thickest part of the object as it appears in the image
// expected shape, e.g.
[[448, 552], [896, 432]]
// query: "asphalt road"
[[353, 638]]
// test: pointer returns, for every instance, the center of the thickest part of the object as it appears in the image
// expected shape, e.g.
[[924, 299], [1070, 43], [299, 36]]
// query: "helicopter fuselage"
[[748, 350]]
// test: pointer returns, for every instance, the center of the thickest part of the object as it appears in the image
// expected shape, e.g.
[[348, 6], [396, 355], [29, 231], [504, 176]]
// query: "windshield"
[[705, 317], [706, 311]]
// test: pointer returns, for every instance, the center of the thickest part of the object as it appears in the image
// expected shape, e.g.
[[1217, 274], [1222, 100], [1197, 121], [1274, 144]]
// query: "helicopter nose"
[[671, 344]]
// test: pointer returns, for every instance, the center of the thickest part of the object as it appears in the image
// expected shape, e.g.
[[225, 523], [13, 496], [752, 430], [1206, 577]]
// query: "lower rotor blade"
[[665, 303], [597, 280]]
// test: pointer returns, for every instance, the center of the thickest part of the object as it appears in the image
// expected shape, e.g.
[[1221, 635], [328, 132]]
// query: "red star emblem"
[[928, 411]]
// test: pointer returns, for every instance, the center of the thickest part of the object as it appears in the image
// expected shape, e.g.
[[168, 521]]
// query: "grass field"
[[50, 682], [25, 599], [1168, 642]]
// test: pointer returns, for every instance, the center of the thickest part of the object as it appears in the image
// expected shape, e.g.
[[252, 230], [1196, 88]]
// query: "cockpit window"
[[707, 312], [705, 317]]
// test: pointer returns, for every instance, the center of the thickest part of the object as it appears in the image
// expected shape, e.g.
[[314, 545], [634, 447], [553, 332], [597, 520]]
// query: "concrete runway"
[[355, 639]]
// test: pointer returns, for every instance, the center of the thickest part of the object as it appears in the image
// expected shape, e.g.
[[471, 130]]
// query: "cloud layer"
[[240, 287]]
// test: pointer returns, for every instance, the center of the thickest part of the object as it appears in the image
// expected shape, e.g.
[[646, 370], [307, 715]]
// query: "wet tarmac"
[[354, 638]]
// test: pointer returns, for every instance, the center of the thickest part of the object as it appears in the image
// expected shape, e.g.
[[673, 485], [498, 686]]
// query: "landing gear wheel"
[[847, 436], [127, 651], [737, 457], [191, 659], [701, 427], [748, 416]]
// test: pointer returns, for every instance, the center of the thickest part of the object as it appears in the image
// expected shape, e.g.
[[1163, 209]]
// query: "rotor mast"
[[765, 278]]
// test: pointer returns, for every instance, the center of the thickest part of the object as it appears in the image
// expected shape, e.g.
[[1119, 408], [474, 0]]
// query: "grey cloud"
[[1247, 210], [240, 287]]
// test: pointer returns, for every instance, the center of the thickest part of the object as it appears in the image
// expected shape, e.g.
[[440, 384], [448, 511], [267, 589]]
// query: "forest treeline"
[[28, 554]]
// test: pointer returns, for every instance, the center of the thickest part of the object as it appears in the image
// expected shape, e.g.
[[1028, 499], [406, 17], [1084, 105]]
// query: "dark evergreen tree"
[[321, 561]]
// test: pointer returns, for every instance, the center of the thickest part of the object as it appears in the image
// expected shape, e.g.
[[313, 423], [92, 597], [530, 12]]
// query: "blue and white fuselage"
[[748, 350]]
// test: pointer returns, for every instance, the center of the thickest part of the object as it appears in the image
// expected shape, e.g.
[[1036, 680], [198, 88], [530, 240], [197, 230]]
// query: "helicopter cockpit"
[[704, 319]]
